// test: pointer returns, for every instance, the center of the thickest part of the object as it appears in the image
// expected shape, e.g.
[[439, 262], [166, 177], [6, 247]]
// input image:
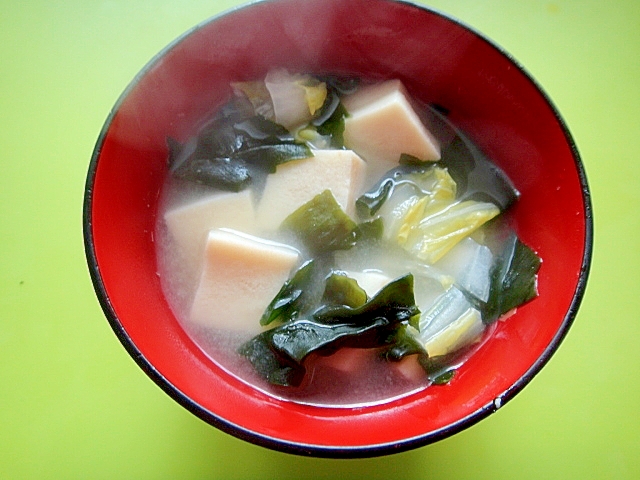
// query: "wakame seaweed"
[[334, 126], [411, 160], [340, 84], [368, 204], [513, 279], [296, 295], [369, 231], [220, 172], [439, 368], [233, 149], [394, 301], [274, 367], [402, 344], [268, 157], [278, 354], [321, 225], [342, 290], [475, 176], [329, 120]]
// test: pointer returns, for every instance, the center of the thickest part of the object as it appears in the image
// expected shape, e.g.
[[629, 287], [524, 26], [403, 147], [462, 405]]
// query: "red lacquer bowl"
[[441, 61]]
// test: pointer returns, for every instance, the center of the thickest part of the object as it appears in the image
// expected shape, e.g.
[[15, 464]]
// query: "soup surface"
[[332, 241]]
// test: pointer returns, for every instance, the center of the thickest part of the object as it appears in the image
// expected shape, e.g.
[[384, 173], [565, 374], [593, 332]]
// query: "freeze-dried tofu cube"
[[298, 181], [189, 224], [382, 124], [241, 275]]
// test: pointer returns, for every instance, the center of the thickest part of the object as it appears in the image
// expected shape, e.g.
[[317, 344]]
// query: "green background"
[[73, 404]]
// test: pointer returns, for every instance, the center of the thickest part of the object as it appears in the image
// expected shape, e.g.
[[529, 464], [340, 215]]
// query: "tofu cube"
[[298, 181], [382, 124], [241, 275], [190, 224]]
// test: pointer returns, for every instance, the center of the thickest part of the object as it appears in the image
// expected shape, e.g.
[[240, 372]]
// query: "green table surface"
[[73, 404]]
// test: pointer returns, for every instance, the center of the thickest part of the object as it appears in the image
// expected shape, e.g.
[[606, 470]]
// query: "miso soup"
[[332, 241]]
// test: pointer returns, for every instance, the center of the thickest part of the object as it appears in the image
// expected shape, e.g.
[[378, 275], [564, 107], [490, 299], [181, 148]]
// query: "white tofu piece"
[[241, 275], [382, 124], [190, 224], [370, 281], [298, 181]]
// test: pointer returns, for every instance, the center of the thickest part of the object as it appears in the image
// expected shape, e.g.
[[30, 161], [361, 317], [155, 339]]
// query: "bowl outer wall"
[[441, 61]]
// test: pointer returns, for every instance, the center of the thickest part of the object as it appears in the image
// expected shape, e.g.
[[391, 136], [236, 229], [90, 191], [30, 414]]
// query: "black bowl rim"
[[322, 450]]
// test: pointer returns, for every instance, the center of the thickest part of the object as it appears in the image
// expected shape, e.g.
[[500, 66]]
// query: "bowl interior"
[[440, 61]]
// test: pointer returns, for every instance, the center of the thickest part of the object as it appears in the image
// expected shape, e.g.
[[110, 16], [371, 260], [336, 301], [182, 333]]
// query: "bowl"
[[441, 61]]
